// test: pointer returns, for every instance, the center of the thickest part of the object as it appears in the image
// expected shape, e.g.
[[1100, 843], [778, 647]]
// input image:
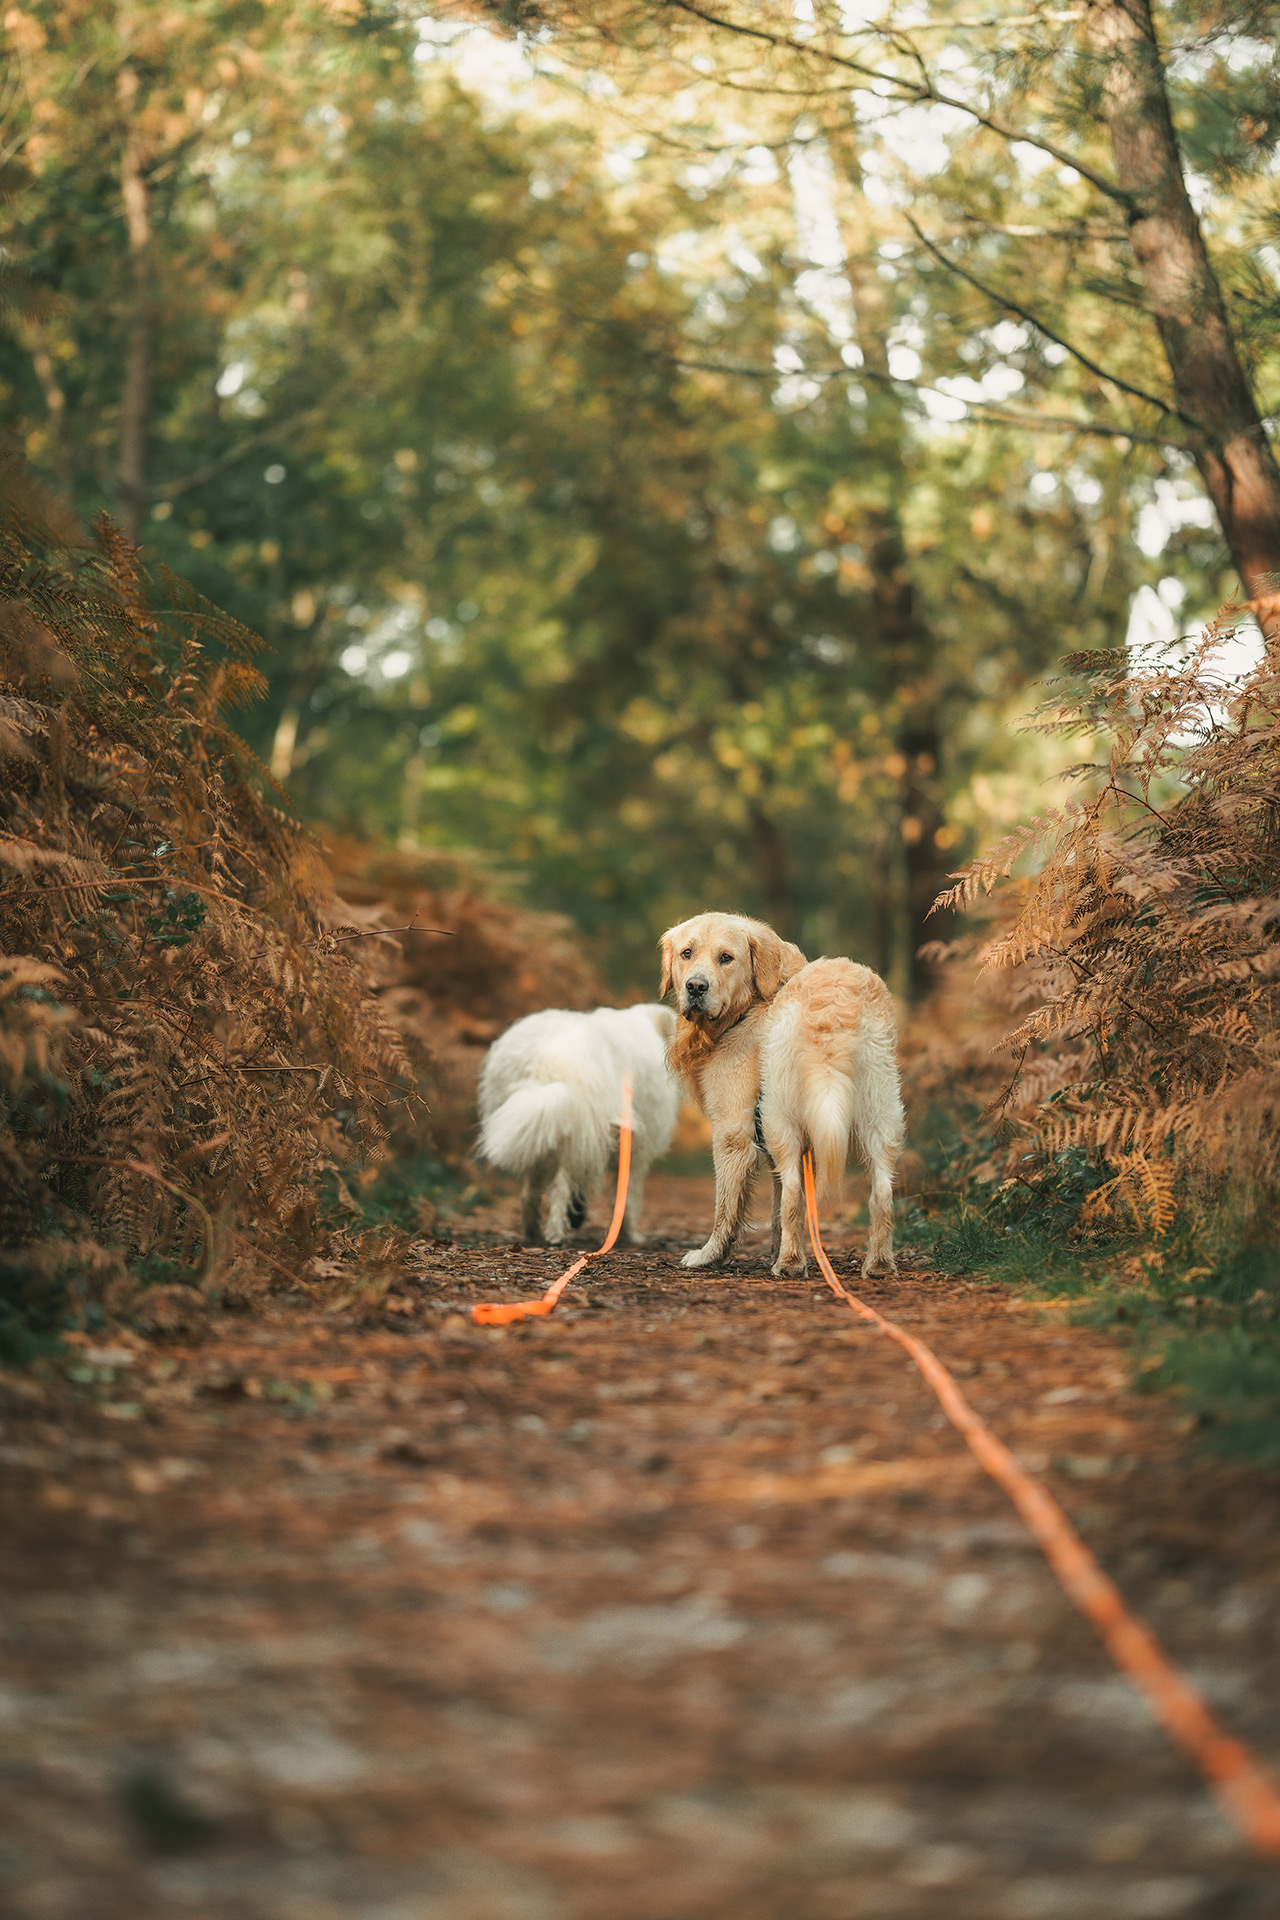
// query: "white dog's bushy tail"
[[534, 1121]]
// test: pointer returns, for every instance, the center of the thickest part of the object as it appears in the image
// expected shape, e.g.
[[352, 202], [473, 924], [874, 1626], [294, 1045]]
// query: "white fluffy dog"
[[550, 1095]]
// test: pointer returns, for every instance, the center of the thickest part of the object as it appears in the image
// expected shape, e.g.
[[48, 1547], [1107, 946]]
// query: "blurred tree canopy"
[[637, 501]]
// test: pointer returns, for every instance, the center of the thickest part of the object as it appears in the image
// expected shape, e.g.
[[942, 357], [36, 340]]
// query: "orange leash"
[[501, 1314], [1248, 1794]]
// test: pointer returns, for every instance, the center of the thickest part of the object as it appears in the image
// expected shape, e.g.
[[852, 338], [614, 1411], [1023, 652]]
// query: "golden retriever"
[[784, 1056]]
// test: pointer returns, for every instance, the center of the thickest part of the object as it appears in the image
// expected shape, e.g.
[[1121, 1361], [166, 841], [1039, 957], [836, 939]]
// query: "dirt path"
[[682, 1604]]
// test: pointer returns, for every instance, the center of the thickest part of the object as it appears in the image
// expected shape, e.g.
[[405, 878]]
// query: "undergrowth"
[[406, 1192], [186, 1043], [215, 1068], [1199, 1311], [1116, 1143]]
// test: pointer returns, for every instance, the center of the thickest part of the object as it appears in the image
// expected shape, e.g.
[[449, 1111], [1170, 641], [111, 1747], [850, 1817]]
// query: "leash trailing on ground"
[[1249, 1796], [502, 1313]]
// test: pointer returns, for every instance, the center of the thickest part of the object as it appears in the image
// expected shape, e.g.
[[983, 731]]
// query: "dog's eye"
[[726, 959], [687, 954]]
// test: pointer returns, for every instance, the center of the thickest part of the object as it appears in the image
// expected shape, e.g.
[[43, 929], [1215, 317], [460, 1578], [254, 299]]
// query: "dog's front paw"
[[634, 1240], [701, 1257], [784, 1269]]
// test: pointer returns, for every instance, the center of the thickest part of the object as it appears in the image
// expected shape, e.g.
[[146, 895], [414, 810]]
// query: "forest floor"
[[682, 1604]]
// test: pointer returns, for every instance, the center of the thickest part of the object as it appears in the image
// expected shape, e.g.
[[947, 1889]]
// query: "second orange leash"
[[502, 1313], [1249, 1796]]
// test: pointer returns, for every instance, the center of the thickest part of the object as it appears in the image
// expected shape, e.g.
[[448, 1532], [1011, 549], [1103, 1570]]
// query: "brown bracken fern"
[[1145, 943], [181, 1040]]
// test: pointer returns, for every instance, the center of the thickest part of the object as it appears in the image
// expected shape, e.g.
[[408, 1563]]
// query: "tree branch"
[[978, 409], [212, 468], [992, 20], [1110, 236], [923, 94], [1011, 306]]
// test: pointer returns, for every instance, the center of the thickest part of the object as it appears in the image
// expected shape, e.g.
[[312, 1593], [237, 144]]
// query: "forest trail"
[[684, 1604]]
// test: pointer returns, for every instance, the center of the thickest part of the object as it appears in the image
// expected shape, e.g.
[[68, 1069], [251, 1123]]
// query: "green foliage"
[[1201, 1314], [1232, 1380], [405, 1193], [36, 1303], [421, 404]]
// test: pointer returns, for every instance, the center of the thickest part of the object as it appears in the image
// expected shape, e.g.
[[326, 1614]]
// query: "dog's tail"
[[828, 1124], [807, 1068], [532, 1122]]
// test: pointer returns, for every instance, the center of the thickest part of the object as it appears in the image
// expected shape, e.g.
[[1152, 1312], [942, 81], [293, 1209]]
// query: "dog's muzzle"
[[695, 995]]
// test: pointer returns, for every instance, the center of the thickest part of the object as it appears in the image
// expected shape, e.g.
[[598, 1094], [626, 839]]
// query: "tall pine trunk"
[[773, 866], [906, 650], [1234, 456], [135, 398]]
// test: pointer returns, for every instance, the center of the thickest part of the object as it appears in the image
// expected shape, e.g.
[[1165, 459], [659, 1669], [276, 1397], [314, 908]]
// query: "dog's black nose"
[[695, 988]]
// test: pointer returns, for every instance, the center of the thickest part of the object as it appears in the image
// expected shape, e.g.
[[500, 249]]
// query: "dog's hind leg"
[[775, 1240], [635, 1200], [560, 1209], [531, 1200], [880, 1255], [789, 1254], [576, 1212], [878, 1125]]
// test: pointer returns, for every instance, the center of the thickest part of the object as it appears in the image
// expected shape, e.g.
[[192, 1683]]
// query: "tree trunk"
[[906, 648], [904, 645], [284, 741], [56, 402], [135, 399], [922, 821], [773, 865], [1234, 457], [881, 890], [766, 843], [411, 791]]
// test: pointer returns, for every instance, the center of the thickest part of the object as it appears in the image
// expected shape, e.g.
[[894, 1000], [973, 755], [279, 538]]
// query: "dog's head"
[[719, 964]]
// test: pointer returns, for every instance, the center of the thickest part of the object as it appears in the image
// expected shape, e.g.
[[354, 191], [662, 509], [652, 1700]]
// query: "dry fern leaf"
[[1144, 954]]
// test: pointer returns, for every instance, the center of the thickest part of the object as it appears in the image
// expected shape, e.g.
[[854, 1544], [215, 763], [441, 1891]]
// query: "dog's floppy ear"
[[773, 960], [668, 947]]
